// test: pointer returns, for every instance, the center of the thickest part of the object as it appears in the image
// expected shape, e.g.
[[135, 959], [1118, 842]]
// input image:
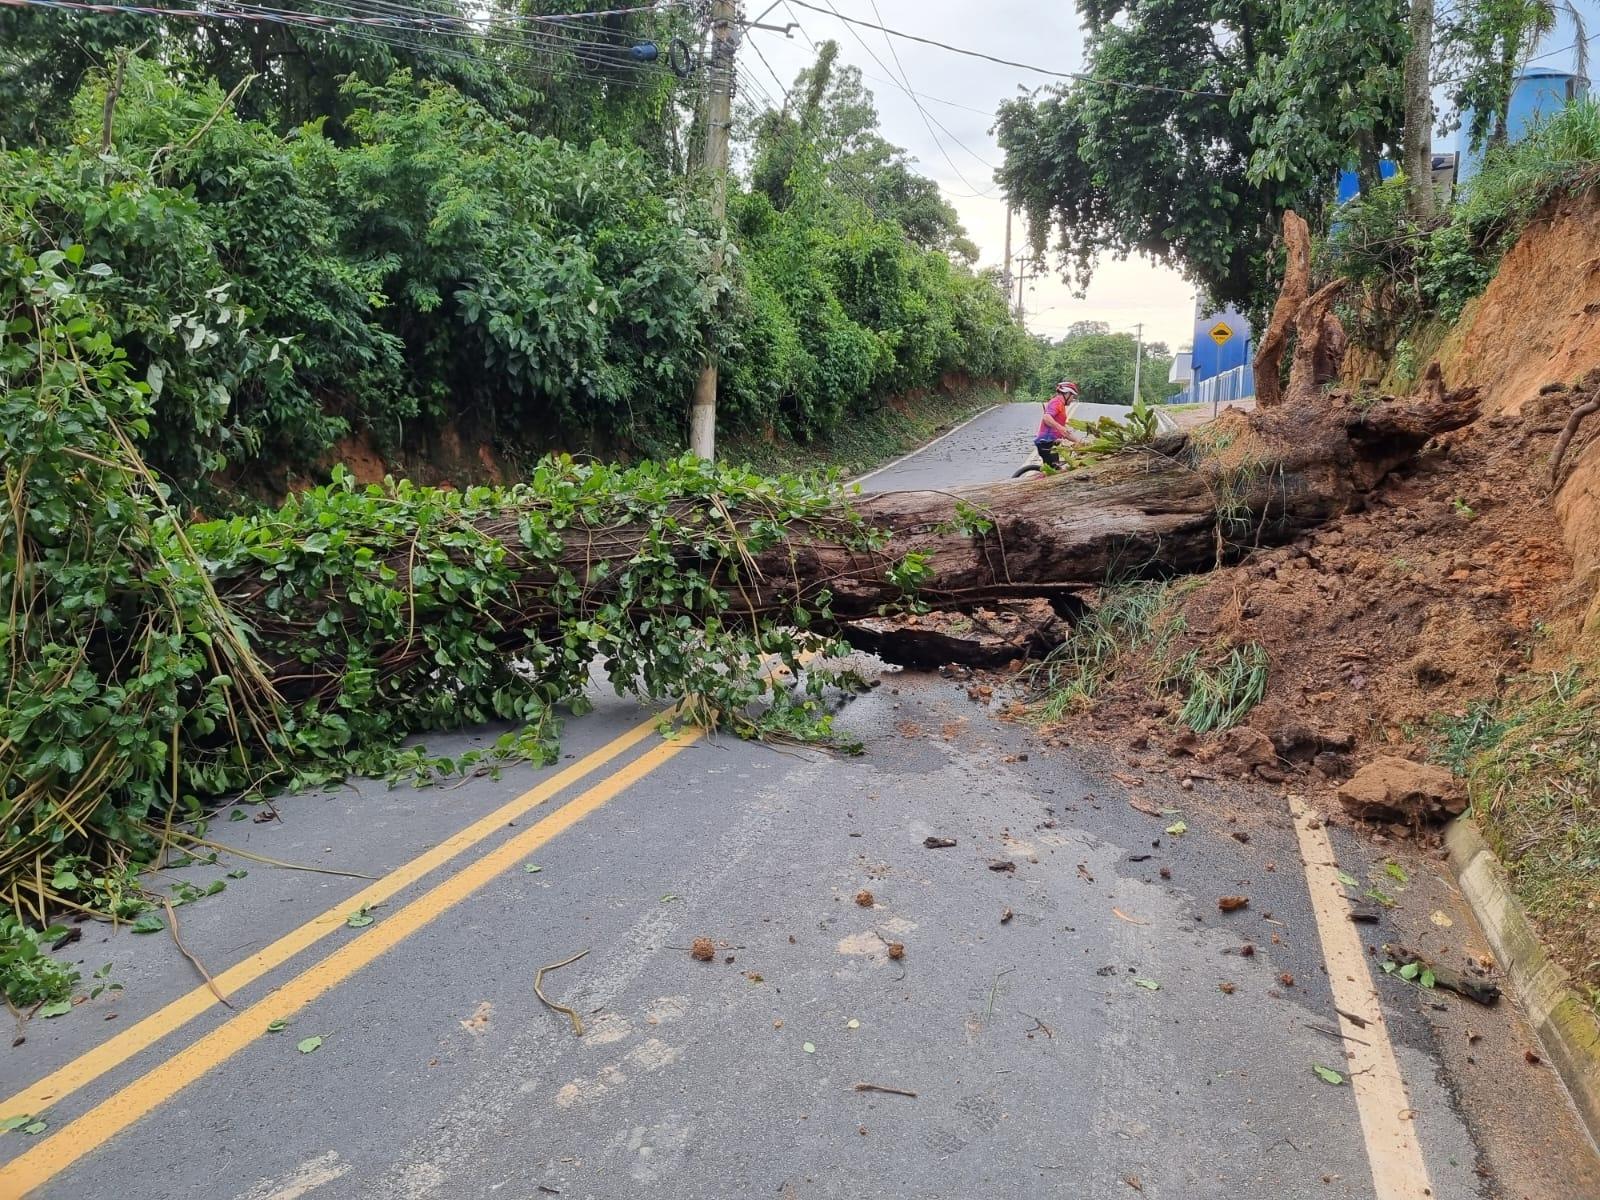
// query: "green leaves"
[[360, 919], [1178, 828], [1149, 985], [310, 1045], [1328, 1075]]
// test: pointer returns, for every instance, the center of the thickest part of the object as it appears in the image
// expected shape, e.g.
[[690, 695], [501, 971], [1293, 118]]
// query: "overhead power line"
[[927, 122], [388, 35], [1007, 62]]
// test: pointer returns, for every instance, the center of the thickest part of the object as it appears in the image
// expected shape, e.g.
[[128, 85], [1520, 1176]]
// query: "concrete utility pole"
[[719, 118], [1005, 273], [1138, 360]]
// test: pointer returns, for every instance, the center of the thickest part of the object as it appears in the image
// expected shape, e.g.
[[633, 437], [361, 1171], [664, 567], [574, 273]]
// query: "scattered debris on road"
[[1005, 865], [1232, 903], [885, 1088], [864, 898], [1481, 991], [938, 843], [703, 949], [1122, 916], [571, 1014], [1005, 915]]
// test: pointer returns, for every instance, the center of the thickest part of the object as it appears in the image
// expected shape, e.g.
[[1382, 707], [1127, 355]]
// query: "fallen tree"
[[152, 665]]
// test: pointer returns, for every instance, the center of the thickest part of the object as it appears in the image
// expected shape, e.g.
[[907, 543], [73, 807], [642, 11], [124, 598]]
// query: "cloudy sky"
[[960, 92]]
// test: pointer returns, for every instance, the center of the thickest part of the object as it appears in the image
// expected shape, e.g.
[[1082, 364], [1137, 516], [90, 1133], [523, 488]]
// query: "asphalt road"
[[1083, 1047]]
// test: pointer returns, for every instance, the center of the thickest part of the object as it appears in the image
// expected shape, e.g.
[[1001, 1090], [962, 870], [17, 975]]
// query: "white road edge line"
[[1398, 1170], [928, 446]]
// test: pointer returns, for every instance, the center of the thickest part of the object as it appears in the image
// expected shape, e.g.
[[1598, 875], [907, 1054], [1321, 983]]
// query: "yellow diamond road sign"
[[1220, 333]]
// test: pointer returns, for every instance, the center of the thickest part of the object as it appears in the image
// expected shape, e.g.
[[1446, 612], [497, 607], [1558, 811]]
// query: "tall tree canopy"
[[1201, 120]]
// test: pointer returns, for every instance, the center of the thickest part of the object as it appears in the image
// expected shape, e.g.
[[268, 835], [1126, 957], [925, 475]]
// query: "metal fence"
[[1226, 388]]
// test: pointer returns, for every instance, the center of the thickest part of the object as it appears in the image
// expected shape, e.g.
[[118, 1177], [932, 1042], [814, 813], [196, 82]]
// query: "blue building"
[[1217, 370]]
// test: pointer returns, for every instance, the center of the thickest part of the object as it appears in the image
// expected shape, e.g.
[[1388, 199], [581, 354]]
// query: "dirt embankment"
[[1461, 572], [1537, 324]]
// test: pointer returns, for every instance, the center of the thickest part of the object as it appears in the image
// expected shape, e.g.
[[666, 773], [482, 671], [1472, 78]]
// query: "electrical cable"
[[1006, 62]]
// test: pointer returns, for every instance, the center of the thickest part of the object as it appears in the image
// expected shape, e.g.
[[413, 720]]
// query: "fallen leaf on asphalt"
[[1327, 1074], [864, 898], [852, 1023], [1178, 828], [35, 1128], [702, 950], [1227, 989], [309, 1045], [277, 1026], [1122, 916], [1439, 919], [938, 843], [1348, 879], [897, 950], [359, 919], [1134, 1182], [59, 1009], [1286, 979], [1139, 858], [1232, 903], [809, 1048], [1127, 780], [1006, 915], [1149, 985], [533, 868], [1144, 806], [1533, 1060], [11, 1123], [1247, 950]]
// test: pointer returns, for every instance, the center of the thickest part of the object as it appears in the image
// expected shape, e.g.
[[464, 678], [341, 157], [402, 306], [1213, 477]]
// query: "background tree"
[[1101, 363], [1202, 120]]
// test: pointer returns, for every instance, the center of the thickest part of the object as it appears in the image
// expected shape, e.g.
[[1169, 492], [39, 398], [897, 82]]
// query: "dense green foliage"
[[412, 262], [1406, 273], [138, 649], [1102, 365], [1269, 100], [1237, 111], [227, 250]]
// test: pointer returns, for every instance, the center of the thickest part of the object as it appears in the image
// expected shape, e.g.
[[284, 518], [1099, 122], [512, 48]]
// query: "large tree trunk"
[[1418, 151], [1180, 505]]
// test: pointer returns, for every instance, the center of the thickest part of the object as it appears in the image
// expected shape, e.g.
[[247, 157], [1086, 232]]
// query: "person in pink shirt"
[[1054, 428]]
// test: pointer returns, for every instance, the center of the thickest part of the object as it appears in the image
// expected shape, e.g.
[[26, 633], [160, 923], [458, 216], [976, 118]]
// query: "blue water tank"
[[1537, 94], [1221, 342]]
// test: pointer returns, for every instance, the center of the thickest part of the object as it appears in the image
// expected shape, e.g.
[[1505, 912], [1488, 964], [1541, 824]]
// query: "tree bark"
[[1296, 288], [1319, 344], [1179, 505], [1418, 155]]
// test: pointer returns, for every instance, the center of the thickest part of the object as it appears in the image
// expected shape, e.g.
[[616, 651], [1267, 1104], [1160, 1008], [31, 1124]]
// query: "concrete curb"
[[920, 449], [1565, 1025]]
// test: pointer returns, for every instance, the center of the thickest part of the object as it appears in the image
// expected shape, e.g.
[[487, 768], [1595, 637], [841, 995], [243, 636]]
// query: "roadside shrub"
[[1405, 273]]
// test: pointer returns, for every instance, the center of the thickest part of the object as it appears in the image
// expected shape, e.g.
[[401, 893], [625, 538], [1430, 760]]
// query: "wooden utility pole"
[[719, 118]]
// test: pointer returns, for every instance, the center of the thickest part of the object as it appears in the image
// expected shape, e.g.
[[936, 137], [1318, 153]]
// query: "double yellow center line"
[[87, 1133]]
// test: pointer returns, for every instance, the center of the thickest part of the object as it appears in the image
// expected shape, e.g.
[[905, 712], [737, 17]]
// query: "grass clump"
[[1219, 697], [1134, 630], [1532, 764]]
